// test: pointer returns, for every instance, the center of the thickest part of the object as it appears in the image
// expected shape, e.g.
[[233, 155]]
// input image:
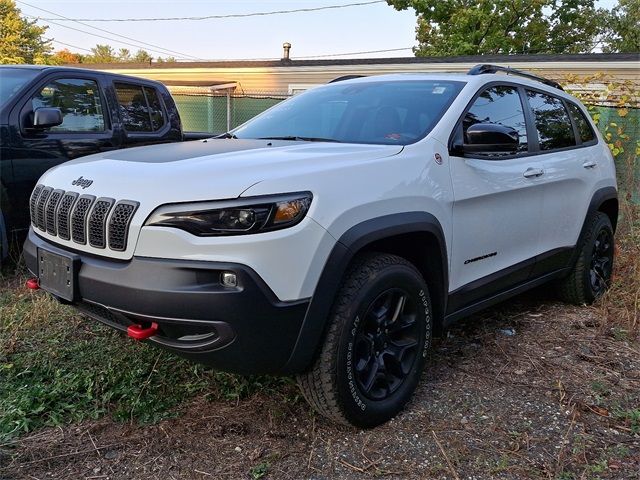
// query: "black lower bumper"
[[243, 329]]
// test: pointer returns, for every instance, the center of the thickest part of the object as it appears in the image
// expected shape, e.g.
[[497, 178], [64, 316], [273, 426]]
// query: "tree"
[[472, 27], [65, 57], [623, 28], [21, 40], [142, 56], [102, 54]]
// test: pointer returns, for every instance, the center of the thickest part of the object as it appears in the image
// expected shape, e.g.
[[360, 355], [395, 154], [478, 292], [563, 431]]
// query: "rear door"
[[497, 203], [566, 144], [86, 129]]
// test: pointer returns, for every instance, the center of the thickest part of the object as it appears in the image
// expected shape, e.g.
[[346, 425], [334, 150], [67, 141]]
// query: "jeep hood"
[[204, 170]]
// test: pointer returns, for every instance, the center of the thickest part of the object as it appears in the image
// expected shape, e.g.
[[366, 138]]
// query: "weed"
[[259, 470]]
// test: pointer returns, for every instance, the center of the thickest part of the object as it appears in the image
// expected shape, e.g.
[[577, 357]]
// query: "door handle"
[[589, 164], [533, 172]]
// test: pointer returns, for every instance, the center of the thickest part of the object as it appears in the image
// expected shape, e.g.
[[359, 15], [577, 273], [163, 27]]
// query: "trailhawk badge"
[[82, 182]]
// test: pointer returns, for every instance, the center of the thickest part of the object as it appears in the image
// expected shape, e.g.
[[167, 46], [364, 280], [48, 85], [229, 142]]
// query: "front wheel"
[[377, 341], [591, 275]]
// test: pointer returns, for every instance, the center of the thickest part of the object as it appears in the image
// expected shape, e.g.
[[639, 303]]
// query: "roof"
[[588, 57]]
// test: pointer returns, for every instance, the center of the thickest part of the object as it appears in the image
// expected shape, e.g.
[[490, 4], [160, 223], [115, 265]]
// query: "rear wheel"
[[375, 348], [591, 274]]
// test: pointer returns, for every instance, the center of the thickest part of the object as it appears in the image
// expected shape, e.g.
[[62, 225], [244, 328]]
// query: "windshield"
[[386, 113], [12, 80]]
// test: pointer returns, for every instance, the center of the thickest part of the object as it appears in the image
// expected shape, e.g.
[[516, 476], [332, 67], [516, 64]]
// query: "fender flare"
[[350, 243]]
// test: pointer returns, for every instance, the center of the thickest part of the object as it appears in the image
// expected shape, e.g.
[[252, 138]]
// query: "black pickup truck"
[[49, 115]]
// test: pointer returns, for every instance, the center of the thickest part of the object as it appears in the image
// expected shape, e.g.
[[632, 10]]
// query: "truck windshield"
[[374, 112], [12, 80]]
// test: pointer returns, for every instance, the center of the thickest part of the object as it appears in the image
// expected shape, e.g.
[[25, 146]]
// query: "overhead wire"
[[217, 17]]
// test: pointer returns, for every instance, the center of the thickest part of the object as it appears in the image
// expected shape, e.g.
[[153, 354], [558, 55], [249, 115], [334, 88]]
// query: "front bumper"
[[243, 329]]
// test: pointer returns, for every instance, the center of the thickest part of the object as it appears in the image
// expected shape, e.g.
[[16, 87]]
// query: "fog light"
[[229, 279]]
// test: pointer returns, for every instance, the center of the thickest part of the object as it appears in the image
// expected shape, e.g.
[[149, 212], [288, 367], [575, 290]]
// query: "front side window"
[[499, 105], [140, 108], [584, 128], [551, 120], [371, 112], [78, 100]]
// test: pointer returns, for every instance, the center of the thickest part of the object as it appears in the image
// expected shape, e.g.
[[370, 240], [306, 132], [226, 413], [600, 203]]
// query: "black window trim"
[[142, 85], [587, 118], [532, 141], [45, 80]]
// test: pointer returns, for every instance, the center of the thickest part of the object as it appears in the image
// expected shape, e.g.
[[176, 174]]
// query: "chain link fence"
[[218, 113]]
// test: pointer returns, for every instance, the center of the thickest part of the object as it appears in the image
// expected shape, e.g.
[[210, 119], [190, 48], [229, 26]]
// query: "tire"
[[591, 274], [364, 375]]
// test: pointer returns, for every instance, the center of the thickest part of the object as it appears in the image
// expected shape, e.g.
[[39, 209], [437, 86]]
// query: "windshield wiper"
[[301, 139], [227, 135]]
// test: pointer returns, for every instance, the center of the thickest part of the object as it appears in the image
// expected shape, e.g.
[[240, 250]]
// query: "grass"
[[57, 367]]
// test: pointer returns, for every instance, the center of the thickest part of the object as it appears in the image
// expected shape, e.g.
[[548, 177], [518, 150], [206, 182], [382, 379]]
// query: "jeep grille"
[[84, 219]]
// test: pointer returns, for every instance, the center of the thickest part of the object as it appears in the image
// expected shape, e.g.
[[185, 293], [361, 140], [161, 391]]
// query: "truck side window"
[[78, 100], [500, 105], [552, 121], [140, 108]]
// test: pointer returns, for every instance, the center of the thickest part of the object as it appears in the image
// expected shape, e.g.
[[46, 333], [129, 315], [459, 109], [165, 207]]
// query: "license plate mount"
[[58, 274]]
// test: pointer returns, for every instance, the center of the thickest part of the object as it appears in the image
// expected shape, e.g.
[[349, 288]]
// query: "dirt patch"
[[528, 390]]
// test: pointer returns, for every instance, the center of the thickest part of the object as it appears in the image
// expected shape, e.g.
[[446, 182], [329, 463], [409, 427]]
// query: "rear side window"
[[140, 108], [552, 121], [79, 101], [584, 127], [499, 105]]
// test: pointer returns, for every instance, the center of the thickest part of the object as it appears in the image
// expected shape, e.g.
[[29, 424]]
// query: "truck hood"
[[203, 170]]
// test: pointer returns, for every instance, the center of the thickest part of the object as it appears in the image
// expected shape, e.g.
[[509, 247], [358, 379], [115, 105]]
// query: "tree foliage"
[[21, 40], [472, 27], [622, 32]]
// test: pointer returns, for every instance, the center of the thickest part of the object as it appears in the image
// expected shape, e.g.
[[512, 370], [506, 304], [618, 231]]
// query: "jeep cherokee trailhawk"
[[330, 236]]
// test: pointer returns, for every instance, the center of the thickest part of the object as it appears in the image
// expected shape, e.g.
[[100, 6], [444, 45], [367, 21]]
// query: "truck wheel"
[[591, 274], [378, 337]]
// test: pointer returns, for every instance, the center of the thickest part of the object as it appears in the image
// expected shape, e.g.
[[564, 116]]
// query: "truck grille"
[[82, 218]]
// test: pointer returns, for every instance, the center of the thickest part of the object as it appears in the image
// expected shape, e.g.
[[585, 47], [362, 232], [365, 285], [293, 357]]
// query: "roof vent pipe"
[[286, 46]]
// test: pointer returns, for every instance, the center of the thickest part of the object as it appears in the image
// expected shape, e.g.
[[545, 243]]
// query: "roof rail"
[[345, 77], [486, 68]]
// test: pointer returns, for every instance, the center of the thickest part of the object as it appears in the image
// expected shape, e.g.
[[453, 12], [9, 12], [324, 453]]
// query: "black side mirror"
[[490, 137], [47, 118]]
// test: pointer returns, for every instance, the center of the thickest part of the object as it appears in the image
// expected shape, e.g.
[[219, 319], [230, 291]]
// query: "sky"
[[358, 29]]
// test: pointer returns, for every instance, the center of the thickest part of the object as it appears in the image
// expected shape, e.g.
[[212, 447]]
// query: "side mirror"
[[47, 118], [490, 137]]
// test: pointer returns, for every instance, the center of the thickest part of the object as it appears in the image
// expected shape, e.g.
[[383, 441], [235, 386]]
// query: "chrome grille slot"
[[64, 212], [79, 218], [119, 224], [50, 211], [33, 202], [98, 222], [42, 201]]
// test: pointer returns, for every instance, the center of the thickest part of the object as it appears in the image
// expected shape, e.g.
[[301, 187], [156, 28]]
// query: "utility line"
[[217, 17], [101, 36], [354, 53], [69, 45], [63, 18]]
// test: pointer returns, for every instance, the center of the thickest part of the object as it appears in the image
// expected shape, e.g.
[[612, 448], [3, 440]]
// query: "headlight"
[[234, 217]]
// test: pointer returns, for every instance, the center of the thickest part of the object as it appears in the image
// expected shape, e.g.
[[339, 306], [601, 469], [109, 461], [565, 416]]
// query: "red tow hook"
[[139, 333], [33, 283]]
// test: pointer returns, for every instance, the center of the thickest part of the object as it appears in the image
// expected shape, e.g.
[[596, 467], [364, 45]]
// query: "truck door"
[[86, 129]]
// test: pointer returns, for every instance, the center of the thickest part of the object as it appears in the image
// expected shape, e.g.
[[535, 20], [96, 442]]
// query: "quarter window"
[[499, 105], [584, 128], [552, 121], [140, 108], [78, 100]]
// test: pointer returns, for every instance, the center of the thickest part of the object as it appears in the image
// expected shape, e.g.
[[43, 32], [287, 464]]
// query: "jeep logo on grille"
[[82, 182]]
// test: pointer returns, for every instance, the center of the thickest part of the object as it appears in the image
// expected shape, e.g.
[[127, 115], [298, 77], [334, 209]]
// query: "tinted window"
[[12, 80], [155, 108], [134, 110], [500, 105], [584, 127], [552, 121], [390, 112], [79, 102]]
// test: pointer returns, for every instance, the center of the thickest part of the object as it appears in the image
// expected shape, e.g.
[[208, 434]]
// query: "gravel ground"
[[532, 389]]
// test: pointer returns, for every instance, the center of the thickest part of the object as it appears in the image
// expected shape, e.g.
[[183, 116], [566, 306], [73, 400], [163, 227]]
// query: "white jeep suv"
[[332, 235]]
